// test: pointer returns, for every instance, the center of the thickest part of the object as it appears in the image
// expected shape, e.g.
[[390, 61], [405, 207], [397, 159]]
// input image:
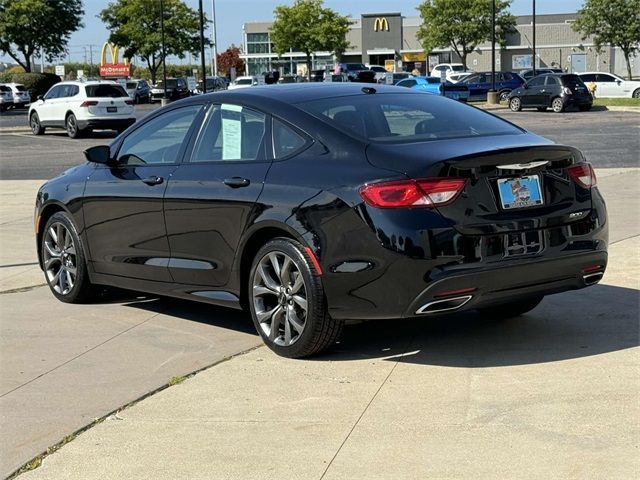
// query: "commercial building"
[[389, 39]]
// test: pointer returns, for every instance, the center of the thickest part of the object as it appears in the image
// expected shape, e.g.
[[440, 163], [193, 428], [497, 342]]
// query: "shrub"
[[35, 83]]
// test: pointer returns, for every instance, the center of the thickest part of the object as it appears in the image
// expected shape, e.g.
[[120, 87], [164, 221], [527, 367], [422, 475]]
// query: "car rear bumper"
[[107, 123]]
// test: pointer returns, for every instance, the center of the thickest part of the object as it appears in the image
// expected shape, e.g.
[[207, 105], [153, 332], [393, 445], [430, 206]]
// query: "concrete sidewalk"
[[553, 394]]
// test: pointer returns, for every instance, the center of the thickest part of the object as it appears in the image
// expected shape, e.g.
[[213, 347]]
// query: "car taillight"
[[89, 103], [583, 175], [567, 91], [428, 192]]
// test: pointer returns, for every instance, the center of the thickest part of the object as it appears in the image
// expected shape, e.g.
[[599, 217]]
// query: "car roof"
[[88, 82], [591, 73]]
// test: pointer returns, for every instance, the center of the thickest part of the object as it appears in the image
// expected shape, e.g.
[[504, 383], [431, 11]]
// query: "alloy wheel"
[[35, 124], [515, 104], [280, 298], [557, 105], [72, 126], [60, 260]]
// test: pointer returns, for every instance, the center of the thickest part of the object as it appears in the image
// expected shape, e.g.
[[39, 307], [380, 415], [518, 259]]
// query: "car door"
[[46, 107], [532, 95], [211, 197], [123, 201], [552, 88], [609, 86], [64, 101]]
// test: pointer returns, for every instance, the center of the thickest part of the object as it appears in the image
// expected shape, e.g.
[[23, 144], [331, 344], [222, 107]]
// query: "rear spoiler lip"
[[536, 155]]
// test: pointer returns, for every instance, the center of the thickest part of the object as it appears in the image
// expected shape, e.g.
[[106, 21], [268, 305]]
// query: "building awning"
[[381, 51]]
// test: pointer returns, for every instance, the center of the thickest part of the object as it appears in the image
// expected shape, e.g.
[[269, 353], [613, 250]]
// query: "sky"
[[231, 14]]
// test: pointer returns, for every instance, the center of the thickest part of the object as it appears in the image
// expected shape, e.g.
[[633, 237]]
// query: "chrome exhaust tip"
[[444, 305], [592, 278]]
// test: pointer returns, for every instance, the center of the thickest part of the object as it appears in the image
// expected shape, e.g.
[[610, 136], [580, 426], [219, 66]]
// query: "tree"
[[29, 27], [135, 26], [308, 27], [615, 22], [230, 58], [462, 24]]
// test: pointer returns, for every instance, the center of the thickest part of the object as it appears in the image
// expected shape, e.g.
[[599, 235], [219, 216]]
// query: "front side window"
[[54, 92], [399, 118], [159, 140], [537, 82], [588, 77], [231, 133]]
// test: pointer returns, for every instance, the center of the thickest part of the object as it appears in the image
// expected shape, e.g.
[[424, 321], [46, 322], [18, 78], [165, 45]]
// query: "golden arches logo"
[[115, 53], [381, 24]]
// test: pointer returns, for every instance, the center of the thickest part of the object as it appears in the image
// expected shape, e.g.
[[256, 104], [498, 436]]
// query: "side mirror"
[[618, 82], [98, 154], [41, 97]]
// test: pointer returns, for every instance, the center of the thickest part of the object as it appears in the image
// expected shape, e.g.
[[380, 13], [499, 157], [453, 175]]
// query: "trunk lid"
[[496, 168]]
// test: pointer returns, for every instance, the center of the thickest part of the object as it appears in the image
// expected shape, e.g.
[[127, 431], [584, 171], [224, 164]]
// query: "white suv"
[[79, 107], [6, 98], [447, 68], [20, 94]]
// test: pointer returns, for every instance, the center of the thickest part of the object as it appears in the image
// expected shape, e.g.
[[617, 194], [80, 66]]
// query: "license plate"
[[520, 192], [112, 109]]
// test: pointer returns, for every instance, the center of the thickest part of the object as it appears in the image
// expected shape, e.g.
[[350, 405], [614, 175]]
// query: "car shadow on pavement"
[[215, 316], [571, 325]]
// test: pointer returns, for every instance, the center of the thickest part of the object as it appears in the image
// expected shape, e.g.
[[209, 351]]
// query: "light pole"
[[534, 38], [492, 96], [164, 69], [202, 59], [214, 41]]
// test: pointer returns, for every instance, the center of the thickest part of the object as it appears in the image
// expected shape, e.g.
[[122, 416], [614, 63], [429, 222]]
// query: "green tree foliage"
[[230, 58], [135, 26], [462, 24], [615, 22], [306, 26], [28, 27]]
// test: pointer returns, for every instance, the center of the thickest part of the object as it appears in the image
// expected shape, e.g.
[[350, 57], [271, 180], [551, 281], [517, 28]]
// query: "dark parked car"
[[177, 88], [480, 83], [312, 204], [554, 90], [351, 70], [529, 74]]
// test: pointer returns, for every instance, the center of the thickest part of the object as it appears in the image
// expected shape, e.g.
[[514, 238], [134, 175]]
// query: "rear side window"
[[553, 81], [105, 90], [231, 133], [588, 77], [285, 140], [457, 68], [400, 118], [407, 83]]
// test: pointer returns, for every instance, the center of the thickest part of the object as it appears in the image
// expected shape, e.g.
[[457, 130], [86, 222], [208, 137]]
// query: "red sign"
[[115, 70]]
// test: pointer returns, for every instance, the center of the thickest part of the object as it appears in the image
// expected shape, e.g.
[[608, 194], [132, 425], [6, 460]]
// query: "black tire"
[[319, 330], [584, 108], [503, 95], [510, 310], [82, 289], [71, 126], [541, 109], [636, 93], [36, 126], [515, 104], [557, 105]]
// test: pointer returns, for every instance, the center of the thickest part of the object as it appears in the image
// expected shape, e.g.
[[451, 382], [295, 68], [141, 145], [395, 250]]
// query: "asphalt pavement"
[[553, 394]]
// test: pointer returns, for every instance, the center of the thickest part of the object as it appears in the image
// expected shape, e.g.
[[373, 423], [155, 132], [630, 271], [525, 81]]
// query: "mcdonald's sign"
[[381, 25], [115, 68]]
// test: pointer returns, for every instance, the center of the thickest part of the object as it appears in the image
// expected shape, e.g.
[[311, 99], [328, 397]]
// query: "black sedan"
[[554, 90], [313, 204]]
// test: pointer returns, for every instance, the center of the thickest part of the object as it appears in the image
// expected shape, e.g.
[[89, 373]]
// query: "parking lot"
[[552, 394]]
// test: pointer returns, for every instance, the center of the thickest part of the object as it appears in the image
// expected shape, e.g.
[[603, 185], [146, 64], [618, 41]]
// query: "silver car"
[[20, 94]]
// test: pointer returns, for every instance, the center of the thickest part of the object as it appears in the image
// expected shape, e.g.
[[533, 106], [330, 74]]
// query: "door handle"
[[542, 91], [153, 180], [237, 182]]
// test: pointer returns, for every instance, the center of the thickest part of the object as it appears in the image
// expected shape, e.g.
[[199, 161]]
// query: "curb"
[[622, 109]]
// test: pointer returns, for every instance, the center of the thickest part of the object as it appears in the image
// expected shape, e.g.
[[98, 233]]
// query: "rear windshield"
[[403, 118], [20, 88], [244, 81], [105, 90], [131, 85], [572, 81], [4, 88]]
